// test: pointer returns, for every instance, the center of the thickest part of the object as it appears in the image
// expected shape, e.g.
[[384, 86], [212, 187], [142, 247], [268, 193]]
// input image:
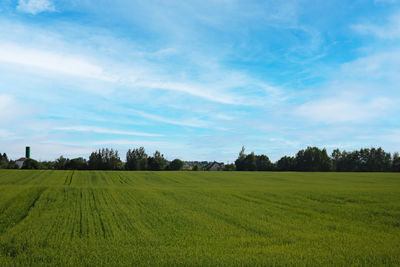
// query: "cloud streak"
[[35, 6], [99, 130], [388, 31]]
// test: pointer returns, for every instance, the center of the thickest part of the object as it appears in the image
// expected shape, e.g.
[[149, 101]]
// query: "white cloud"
[[6, 104], [192, 123], [10, 108], [50, 61], [375, 66], [386, 1], [343, 109], [388, 31], [35, 6], [5, 134], [102, 130], [82, 67]]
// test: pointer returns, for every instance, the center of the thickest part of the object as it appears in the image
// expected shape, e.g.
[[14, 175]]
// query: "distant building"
[[188, 165], [214, 166], [20, 162]]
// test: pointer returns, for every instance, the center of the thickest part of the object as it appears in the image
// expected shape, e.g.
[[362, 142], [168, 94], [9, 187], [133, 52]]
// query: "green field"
[[198, 218]]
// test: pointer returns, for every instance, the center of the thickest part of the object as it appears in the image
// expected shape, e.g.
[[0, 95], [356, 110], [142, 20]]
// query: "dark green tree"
[[196, 168], [61, 163], [12, 165], [157, 162], [77, 164], [286, 164], [229, 167], [313, 159], [363, 160], [396, 162], [136, 159], [31, 164], [250, 162], [263, 163], [4, 161], [240, 161], [176, 165], [105, 159]]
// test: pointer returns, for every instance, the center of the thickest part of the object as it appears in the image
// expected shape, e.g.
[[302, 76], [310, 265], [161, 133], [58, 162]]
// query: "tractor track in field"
[[22, 216], [68, 179]]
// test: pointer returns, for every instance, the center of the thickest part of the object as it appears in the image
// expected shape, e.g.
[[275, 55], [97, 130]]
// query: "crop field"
[[99, 218]]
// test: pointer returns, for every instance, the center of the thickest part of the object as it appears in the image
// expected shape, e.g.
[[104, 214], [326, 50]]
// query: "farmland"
[[198, 218]]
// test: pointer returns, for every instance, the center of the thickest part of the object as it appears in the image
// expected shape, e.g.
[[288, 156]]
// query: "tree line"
[[310, 159], [102, 159], [313, 159]]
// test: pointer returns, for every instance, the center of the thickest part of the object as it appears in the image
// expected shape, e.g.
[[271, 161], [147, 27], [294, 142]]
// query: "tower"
[[27, 152]]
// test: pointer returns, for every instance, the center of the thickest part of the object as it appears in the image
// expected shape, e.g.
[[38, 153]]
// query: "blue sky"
[[198, 79]]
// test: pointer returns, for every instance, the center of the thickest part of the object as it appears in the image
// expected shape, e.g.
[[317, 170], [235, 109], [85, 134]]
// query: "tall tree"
[[157, 162], [396, 162], [136, 159], [286, 164], [61, 163], [240, 161], [105, 159], [263, 163], [313, 159], [4, 162]]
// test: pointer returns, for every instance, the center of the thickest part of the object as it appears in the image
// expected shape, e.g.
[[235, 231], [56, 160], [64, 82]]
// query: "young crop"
[[116, 218]]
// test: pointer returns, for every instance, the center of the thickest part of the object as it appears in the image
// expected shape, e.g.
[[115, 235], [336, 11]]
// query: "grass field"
[[198, 218]]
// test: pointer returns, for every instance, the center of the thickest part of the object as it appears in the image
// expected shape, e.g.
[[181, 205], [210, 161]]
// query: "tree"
[[252, 162], [286, 164], [313, 159], [136, 159], [4, 161], [378, 160], [157, 162], [61, 163], [240, 161], [363, 160], [396, 162], [105, 159], [176, 165], [263, 163], [12, 165], [77, 164], [230, 167], [31, 164], [196, 168], [47, 165]]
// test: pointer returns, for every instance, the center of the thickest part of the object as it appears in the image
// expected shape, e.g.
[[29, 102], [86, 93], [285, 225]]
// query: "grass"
[[92, 218]]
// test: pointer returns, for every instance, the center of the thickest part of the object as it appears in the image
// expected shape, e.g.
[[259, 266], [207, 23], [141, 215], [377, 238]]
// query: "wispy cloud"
[[390, 30], [35, 6], [92, 129], [190, 123], [79, 66], [10, 108], [50, 61], [345, 108]]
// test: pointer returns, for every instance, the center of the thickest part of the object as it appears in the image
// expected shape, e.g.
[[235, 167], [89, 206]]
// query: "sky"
[[197, 80]]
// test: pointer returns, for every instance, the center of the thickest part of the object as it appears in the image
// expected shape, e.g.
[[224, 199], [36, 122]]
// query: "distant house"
[[20, 162], [214, 166]]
